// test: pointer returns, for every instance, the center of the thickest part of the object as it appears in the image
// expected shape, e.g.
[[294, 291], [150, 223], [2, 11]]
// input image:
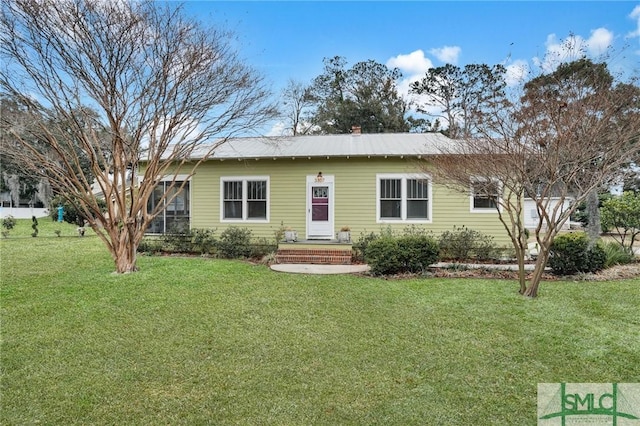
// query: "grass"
[[46, 228], [201, 341]]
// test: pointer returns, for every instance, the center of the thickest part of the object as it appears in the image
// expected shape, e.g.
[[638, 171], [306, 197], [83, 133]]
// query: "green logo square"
[[591, 404]]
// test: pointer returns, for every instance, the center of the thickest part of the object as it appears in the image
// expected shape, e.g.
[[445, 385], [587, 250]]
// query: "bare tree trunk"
[[522, 276], [123, 243], [536, 277], [126, 258]]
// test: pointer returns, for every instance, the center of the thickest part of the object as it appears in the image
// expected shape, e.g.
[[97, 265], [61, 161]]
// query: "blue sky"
[[289, 39]]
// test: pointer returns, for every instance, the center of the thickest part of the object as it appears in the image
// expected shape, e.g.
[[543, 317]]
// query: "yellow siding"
[[355, 196]]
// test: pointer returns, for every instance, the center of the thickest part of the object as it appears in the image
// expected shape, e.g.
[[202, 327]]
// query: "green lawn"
[[197, 341]]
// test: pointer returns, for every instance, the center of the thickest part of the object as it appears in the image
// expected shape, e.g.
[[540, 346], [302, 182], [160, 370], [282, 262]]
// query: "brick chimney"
[[356, 130]]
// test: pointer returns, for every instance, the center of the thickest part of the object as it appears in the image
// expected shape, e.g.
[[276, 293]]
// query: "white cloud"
[[279, 129], [601, 39], [635, 14], [447, 54], [517, 72], [413, 63], [413, 66]]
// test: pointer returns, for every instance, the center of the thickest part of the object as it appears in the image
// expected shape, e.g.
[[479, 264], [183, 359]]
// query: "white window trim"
[[245, 210], [482, 210], [403, 204]]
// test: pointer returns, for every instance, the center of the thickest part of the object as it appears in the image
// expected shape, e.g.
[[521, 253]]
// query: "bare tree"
[[296, 98], [164, 87], [562, 138]]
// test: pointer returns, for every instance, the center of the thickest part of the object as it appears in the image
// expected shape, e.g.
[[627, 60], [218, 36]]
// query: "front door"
[[320, 207]]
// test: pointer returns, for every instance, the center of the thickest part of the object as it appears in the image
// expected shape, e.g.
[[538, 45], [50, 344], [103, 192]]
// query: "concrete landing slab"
[[307, 268]]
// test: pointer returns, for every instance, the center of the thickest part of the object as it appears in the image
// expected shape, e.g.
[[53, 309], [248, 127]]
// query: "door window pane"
[[320, 212], [320, 204]]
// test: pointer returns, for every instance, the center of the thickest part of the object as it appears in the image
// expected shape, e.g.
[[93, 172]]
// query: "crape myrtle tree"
[[365, 95], [568, 133], [130, 83]]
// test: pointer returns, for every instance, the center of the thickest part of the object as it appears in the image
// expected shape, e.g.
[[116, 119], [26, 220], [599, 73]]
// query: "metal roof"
[[344, 145]]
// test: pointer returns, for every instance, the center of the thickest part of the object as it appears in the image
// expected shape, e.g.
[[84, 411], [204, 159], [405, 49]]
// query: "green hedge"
[[570, 254], [390, 255]]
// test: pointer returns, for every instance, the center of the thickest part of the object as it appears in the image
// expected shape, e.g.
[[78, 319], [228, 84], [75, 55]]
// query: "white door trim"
[[323, 230]]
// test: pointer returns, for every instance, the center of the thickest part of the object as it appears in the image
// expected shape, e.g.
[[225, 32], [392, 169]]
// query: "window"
[[417, 199], [244, 199], [175, 216], [404, 198], [485, 195], [391, 198]]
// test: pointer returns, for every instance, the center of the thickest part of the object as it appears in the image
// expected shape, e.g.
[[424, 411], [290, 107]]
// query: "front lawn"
[[199, 341]]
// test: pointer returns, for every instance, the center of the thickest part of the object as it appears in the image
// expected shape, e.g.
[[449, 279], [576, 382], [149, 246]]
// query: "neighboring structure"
[[319, 184], [531, 216]]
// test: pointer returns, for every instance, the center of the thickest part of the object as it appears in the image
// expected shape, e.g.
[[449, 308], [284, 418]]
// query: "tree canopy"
[[456, 96], [365, 95], [621, 214]]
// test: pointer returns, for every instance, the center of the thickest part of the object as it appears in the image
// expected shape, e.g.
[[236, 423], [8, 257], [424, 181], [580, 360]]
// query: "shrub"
[[389, 255], [150, 245], [261, 248], [596, 258], [235, 243], [382, 256], [570, 254], [178, 239], [360, 246], [417, 252], [8, 223], [203, 240], [463, 243], [616, 254], [34, 226]]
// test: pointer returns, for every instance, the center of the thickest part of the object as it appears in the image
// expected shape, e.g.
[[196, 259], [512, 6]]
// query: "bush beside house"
[[571, 253]]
